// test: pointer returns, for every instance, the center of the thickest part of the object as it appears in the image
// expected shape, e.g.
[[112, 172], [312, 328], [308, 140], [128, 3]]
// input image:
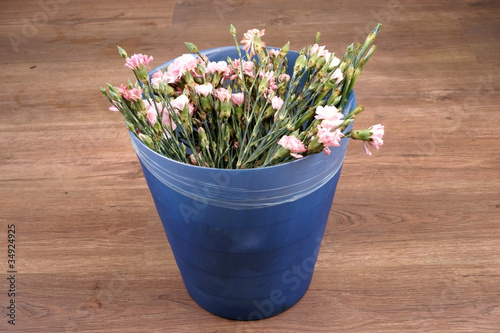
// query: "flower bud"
[[311, 63], [257, 43], [356, 111], [201, 69], [316, 40], [344, 65], [185, 118], [370, 52], [315, 146], [158, 128], [225, 109], [363, 134], [140, 107], [191, 47], [329, 85], [122, 53], [171, 91], [146, 140], [189, 79], [269, 112], [203, 138], [320, 63], [336, 100], [300, 63], [281, 154], [232, 30], [371, 36], [285, 49], [130, 127], [112, 88], [183, 149], [263, 85], [238, 111], [206, 103], [346, 124], [114, 96], [226, 132]]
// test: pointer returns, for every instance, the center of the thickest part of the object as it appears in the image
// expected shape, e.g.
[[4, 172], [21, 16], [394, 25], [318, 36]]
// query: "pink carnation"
[[192, 159], [274, 52], [203, 60], [376, 134], [186, 62], [335, 61], [168, 122], [157, 78], [237, 99], [248, 40], [132, 95], [219, 67], [277, 102], [248, 69], [137, 61], [330, 115], [180, 102], [315, 48], [204, 89], [283, 77], [271, 86], [223, 94], [152, 115], [329, 138], [293, 144], [337, 74], [200, 61], [157, 75]]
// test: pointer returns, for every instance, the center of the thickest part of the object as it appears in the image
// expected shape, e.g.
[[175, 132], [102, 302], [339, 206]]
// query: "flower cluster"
[[251, 111]]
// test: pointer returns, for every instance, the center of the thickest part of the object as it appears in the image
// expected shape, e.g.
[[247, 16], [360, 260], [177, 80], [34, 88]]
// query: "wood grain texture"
[[413, 239]]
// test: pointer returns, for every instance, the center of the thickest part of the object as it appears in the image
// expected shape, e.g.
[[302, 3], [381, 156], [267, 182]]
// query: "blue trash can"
[[245, 241]]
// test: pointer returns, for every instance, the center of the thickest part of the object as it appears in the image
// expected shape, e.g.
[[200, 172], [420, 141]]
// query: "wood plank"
[[413, 238]]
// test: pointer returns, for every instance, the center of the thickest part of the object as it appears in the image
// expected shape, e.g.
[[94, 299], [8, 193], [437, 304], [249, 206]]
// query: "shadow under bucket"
[[245, 241]]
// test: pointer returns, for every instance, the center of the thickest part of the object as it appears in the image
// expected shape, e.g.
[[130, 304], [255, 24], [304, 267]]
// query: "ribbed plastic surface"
[[245, 241]]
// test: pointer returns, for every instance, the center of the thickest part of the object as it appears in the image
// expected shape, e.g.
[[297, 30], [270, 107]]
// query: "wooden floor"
[[413, 240]]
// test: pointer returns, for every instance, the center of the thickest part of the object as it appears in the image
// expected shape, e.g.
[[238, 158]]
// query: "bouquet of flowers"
[[252, 111]]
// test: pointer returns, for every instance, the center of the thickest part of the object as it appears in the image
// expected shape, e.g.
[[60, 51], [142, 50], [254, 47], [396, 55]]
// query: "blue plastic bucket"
[[245, 241]]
